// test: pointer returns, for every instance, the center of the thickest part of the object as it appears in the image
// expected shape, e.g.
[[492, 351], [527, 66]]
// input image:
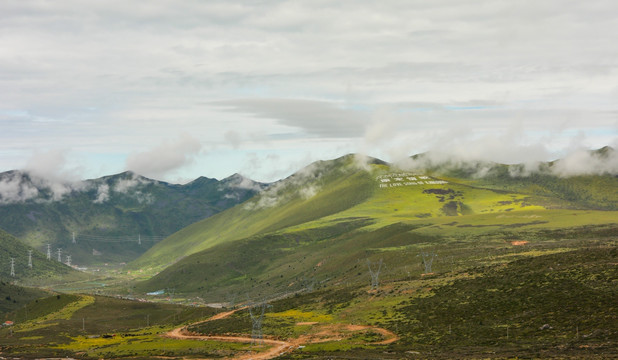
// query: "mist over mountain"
[[580, 162], [113, 217]]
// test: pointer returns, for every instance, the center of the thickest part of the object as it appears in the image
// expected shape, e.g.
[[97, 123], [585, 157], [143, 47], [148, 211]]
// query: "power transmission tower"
[[307, 284], [13, 267], [59, 251], [375, 282], [68, 260], [74, 238], [30, 259], [231, 299], [428, 260], [139, 239], [257, 315], [48, 251]]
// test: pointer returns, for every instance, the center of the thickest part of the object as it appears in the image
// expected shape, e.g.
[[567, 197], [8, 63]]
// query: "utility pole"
[[13, 267], [48, 251], [30, 259], [59, 255]]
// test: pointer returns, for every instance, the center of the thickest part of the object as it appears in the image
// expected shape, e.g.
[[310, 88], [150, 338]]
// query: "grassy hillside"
[[322, 189], [42, 270], [13, 297], [401, 214], [97, 327], [551, 298]]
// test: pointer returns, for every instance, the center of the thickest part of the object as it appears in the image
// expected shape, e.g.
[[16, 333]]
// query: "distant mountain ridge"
[[104, 214]]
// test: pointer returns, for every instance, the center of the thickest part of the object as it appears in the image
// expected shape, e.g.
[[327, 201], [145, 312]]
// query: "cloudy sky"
[[178, 89]]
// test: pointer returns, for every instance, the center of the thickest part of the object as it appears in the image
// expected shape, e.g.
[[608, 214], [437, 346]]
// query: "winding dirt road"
[[326, 332]]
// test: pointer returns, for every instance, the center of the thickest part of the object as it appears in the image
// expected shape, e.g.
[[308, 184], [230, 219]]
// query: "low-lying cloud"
[[13, 189], [102, 194], [585, 162], [165, 158], [575, 163], [303, 183]]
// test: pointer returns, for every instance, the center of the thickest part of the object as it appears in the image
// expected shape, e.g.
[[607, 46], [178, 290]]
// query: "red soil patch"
[[519, 242]]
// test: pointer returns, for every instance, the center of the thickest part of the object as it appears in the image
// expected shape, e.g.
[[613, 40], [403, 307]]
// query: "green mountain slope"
[[42, 269], [113, 218], [321, 189], [384, 212], [13, 297], [596, 191]]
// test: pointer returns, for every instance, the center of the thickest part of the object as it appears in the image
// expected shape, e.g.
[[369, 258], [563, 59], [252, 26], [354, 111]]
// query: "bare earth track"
[[327, 332]]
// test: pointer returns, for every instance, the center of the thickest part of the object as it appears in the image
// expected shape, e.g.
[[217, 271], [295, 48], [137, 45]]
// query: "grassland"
[[550, 302], [468, 271], [96, 327]]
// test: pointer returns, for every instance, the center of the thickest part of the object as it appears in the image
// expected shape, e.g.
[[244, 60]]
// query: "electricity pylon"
[[375, 282], [257, 316], [428, 260]]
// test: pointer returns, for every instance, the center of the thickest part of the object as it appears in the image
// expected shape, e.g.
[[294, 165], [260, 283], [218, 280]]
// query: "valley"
[[345, 261]]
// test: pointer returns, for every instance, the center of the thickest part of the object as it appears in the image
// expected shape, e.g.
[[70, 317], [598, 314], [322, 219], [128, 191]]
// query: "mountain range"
[[113, 218]]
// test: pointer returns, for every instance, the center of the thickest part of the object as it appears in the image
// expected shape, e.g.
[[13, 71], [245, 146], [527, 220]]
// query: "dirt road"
[[323, 333]]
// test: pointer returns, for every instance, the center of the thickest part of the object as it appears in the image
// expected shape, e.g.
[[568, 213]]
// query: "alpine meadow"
[[350, 257], [308, 179]]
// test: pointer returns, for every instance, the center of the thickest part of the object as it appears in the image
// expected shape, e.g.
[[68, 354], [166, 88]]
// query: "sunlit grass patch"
[[65, 313], [147, 344], [301, 316]]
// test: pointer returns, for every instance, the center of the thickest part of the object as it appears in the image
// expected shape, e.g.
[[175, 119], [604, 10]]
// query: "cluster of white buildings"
[[407, 179]]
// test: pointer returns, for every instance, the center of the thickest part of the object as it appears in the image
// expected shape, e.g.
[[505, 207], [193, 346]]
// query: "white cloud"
[[165, 158], [102, 194], [124, 185], [14, 190], [584, 162]]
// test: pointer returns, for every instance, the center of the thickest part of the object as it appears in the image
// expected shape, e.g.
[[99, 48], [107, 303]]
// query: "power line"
[[121, 238]]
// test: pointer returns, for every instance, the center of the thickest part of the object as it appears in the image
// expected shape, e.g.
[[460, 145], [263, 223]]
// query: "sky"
[[174, 90]]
